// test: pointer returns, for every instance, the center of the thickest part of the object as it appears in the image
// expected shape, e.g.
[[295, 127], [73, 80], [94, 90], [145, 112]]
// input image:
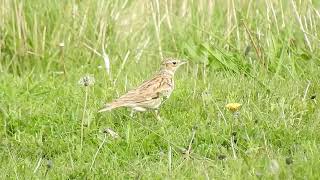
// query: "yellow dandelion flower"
[[233, 107]]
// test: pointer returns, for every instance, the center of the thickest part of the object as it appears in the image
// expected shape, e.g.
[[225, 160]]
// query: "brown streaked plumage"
[[151, 93]]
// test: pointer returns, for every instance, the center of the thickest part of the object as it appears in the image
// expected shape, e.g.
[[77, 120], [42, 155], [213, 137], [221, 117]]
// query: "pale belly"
[[155, 104]]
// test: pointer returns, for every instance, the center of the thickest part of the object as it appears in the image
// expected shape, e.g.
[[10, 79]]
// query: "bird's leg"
[[157, 113], [132, 113], [136, 109]]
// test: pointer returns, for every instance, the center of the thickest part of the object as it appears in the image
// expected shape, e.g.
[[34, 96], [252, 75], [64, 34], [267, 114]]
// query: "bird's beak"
[[183, 62]]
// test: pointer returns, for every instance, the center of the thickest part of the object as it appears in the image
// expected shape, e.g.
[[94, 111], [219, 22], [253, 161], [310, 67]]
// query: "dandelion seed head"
[[87, 80]]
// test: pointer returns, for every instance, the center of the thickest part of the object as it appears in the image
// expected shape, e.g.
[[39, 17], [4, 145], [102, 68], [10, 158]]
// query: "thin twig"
[[169, 158], [122, 66], [190, 144], [301, 25], [99, 148], [195, 81], [157, 24], [225, 120], [38, 165], [233, 147], [93, 50], [83, 115], [257, 49], [306, 91]]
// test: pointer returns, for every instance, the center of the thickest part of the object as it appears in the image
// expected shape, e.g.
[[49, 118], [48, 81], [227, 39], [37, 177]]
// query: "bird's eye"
[[174, 62]]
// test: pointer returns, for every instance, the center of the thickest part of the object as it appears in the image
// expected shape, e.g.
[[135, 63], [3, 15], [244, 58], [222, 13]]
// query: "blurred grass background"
[[263, 54]]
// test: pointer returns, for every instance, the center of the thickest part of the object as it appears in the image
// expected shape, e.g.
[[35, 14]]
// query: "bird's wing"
[[148, 90], [158, 83]]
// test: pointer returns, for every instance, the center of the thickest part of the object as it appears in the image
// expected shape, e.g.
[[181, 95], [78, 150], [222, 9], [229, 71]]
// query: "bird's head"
[[171, 65]]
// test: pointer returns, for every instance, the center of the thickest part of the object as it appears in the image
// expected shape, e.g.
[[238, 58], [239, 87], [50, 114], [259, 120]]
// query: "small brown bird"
[[151, 93]]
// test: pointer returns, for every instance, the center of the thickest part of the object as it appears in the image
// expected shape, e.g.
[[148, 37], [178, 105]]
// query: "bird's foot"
[[136, 109], [158, 117], [132, 113]]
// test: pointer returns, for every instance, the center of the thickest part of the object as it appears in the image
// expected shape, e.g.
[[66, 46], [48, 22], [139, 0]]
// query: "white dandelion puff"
[[87, 80]]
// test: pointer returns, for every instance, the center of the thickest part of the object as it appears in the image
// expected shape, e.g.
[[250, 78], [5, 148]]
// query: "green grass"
[[252, 52]]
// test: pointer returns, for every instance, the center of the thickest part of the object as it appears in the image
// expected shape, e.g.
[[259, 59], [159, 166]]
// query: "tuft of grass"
[[261, 54]]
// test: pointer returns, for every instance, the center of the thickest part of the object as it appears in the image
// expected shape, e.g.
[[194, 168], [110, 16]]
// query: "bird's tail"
[[110, 106]]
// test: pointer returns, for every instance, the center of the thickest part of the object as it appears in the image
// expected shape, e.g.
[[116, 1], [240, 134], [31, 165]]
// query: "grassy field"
[[262, 54]]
